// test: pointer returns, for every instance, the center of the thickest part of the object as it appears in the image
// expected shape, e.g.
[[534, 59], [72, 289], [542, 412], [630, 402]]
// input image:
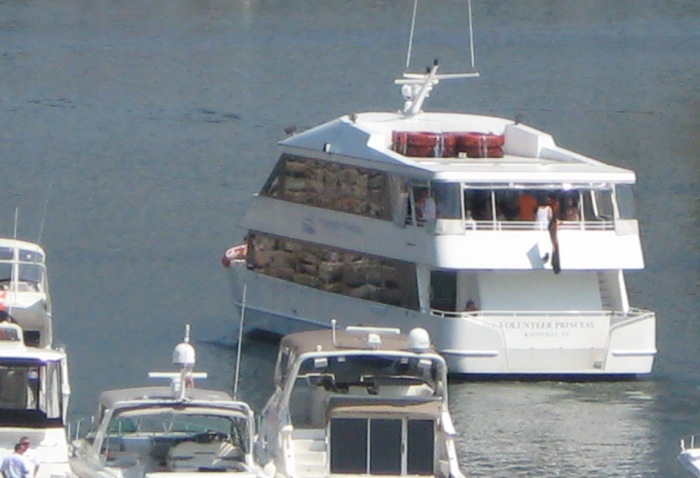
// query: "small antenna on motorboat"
[[240, 341], [43, 215], [333, 326], [14, 233]]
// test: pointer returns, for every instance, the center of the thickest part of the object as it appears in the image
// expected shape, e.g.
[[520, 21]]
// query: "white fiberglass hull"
[[479, 343]]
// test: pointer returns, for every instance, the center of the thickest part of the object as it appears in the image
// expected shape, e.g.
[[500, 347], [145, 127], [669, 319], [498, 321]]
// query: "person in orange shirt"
[[527, 205]]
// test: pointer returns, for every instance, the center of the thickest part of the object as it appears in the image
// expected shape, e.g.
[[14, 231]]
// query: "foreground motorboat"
[[509, 249], [24, 289], [34, 393], [358, 402], [168, 431], [690, 454]]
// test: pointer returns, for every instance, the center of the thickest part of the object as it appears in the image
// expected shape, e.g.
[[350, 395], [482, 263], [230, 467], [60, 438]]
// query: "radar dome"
[[418, 339], [183, 355]]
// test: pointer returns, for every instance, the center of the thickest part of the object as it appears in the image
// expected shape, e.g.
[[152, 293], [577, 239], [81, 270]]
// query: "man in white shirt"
[[29, 456], [14, 465]]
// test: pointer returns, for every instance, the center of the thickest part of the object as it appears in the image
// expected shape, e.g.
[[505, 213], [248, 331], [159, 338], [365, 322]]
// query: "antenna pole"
[[14, 234], [240, 341], [471, 32], [410, 38], [43, 215]]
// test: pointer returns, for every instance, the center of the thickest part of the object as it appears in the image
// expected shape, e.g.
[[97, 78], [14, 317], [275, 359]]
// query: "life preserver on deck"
[[451, 144], [236, 253], [484, 152], [480, 140]]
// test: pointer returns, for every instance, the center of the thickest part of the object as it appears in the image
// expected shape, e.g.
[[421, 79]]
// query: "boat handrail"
[[501, 225], [632, 313]]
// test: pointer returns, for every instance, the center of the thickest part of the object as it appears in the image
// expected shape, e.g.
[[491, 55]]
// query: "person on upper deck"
[[527, 205], [569, 210], [544, 212]]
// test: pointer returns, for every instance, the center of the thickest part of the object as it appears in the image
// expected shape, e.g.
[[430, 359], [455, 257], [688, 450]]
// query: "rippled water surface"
[[132, 134]]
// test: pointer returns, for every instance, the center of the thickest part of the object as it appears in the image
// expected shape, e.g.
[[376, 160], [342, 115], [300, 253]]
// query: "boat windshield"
[[189, 423], [30, 393], [372, 374], [361, 375]]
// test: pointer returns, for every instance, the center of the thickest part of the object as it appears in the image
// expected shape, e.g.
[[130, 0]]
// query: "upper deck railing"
[[505, 225]]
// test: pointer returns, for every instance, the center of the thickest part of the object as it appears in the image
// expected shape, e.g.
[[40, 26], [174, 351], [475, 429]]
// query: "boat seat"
[[192, 456]]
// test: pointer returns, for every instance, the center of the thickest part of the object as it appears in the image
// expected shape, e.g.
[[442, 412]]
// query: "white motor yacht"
[[508, 248], [34, 393], [24, 289], [168, 431], [358, 402]]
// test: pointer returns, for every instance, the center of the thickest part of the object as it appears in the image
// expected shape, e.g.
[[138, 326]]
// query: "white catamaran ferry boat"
[[358, 402], [34, 394]]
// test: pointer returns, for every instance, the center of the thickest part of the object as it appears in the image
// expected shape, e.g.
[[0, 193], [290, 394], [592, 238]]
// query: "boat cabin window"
[[385, 281], [22, 277], [30, 393], [329, 185], [488, 207]]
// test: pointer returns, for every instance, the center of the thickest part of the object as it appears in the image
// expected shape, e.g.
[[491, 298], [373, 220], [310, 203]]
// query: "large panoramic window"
[[333, 270], [329, 185], [30, 392]]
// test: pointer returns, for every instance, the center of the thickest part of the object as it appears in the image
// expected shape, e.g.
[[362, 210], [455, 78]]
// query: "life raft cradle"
[[448, 145]]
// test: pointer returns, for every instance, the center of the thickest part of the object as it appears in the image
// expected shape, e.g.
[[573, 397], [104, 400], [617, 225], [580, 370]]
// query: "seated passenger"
[[569, 210]]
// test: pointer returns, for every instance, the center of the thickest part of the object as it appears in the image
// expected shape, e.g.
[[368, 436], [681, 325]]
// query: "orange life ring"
[[472, 140], [484, 152]]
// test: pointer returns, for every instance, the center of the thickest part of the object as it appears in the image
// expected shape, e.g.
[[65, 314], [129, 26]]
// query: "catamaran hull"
[[473, 344]]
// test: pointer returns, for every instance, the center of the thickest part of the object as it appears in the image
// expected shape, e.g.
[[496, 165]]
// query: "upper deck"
[[529, 156]]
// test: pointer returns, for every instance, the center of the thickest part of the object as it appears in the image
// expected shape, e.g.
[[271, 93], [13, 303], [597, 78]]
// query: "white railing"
[[502, 225]]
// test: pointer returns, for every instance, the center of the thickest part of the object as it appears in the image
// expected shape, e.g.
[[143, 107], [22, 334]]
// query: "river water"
[[132, 134]]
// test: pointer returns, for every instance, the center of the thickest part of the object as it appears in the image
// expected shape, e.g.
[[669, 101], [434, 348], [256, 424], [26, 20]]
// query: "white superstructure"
[[442, 220], [358, 402], [24, 289], [168, 431], [34, 392]]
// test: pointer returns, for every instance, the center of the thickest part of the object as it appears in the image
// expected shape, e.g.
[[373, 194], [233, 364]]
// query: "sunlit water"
[[132, 134]]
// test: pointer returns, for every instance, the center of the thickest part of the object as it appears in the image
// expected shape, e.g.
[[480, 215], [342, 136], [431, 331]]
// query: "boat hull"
[[478, 343]]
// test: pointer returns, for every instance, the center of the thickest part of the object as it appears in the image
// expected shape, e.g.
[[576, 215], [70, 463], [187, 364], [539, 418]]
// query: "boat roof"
[[347, 340], [153, 396], [12, 346], [20, 244], [531, 156]]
